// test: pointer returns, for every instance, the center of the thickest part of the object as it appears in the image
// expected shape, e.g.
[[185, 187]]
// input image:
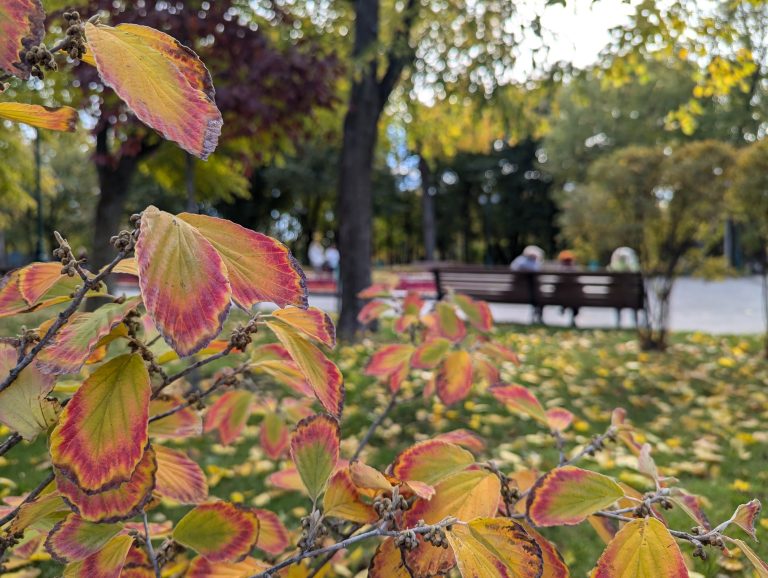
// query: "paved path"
[[729, 306]]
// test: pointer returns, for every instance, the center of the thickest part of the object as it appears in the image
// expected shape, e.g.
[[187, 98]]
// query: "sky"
[[582, 28]]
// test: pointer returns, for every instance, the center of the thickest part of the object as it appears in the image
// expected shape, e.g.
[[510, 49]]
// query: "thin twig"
[[10, 442], [192, 400], [190, 368], [344, 544], [375, 425], [61, 320], [150, 549]]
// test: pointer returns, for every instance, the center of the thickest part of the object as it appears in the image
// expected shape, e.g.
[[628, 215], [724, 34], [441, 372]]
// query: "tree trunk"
[[355, 201], [428, 220], [115, 176], [368, 95]]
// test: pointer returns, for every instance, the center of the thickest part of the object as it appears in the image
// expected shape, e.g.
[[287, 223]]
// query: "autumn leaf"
[[315, 451], [431, 461], [642, 548], [273, 535], [519, 398], [118, 503], [259, 268], [73, 345], [566, 496], [22, 25], [181, 424], [448, 323], [75, 539], [102, 433], [274, 436], [495, 548], [321, 373], [106, 563], [183, 281], [746, 515], [24, 406], [221, 532], [136, 61], [465, 496], [60, 119], [478, 313], [430, 353], [342, 500], [229, 414], [387, 562], [179, 477], [312, 322], [454, 377]]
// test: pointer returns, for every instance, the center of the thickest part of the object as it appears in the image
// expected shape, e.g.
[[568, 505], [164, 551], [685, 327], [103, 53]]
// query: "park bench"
[[567, 289]]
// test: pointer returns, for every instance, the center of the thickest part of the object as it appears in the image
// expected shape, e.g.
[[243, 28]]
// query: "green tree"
[[670, 208], [748, 201]]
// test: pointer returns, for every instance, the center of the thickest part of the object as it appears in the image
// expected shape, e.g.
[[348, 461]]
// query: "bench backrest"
[[548, 287]]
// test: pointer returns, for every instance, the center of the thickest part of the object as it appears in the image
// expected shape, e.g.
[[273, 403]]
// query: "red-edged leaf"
[[260, 267], [478, 312], [746, 515], [454, 378], [499, 353], [388, 562], [119, 503], [430, 353], [220, 531], [760, 566], [448, 323], [60, 119], [70, 349], [136, 60], [376, 290], [106, 563], [691, 505], [342, 500], [270, 352], [11, 300], [201, 567], [372, 310], [519, 398], [229, 414], [75, 539], [566, 496], [463, 437], [24, 407], [137, 563], [391, 362], [559, 419], [36, 280], [625, 431], [467, 495], [102, 433], [312, 322], [495, 548], [554, 565], [641, 549], [287, 479], [368, 478], [431, 461], [22, 25], [315, 451], [287, 373], [183, 281], [179, 478], [388, 359], [321, 373], [273, 535], [484, 370], [182, 424], [274, 436]]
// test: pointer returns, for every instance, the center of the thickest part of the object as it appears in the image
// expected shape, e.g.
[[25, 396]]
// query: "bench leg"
[[618, 318]]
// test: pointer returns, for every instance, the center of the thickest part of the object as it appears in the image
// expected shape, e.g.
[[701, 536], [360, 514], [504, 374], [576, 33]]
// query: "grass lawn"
[[703, 405]]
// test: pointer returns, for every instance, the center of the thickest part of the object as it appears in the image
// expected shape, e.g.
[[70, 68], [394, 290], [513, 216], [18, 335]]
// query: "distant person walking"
[[316, 253], [531, 259]]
